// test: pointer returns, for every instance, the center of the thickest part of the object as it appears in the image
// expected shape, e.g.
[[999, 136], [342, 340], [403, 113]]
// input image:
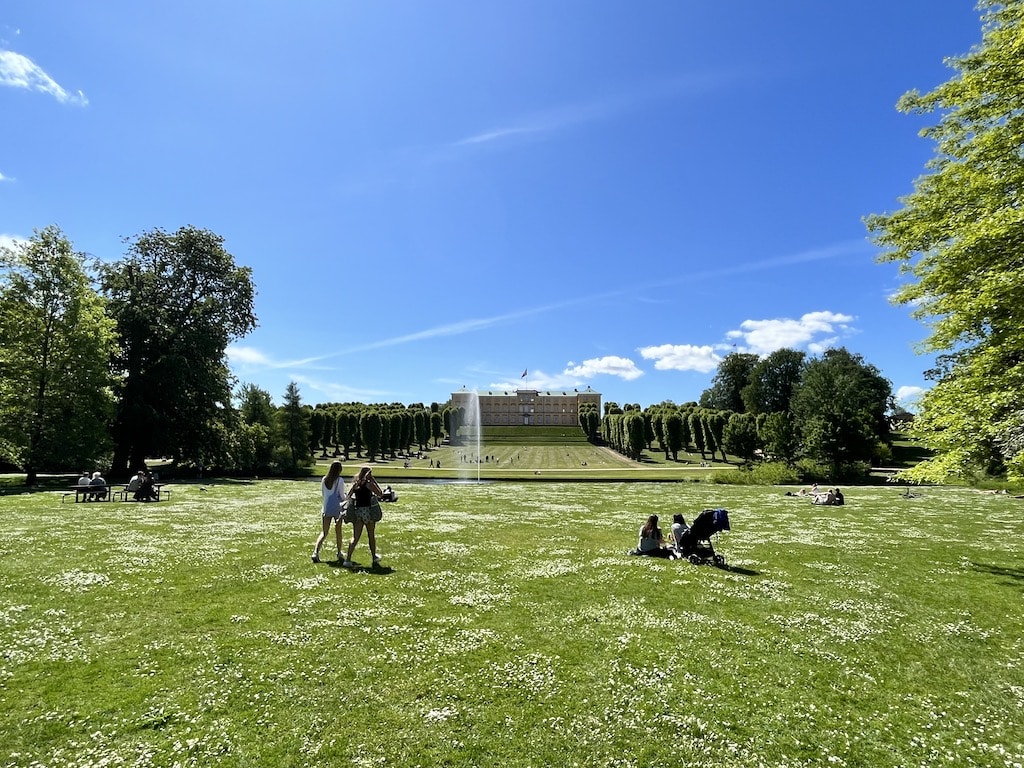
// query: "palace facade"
[[527, 407]]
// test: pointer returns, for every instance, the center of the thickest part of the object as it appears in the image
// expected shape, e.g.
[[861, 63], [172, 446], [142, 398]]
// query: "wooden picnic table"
[[84, 492], [126, 495]]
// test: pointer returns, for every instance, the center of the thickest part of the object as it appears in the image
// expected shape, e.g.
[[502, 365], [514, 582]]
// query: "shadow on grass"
[[373, 570], [1012, 576], [740, 571]]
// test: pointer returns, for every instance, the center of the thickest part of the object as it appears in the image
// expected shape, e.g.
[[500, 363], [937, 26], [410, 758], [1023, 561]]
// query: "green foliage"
[[959, 236], [780, 438], [371, 427], [55, 384], [674, 433], [178, 300], [762, 473], [773, 381], [732, 377], [840, 409], [293, 430], [740, 436], [811, 471]]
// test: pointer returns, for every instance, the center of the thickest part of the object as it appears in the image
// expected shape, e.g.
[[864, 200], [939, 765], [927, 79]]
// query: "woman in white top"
[[333, 490]]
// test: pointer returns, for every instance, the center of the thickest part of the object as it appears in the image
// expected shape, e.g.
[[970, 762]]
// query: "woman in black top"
[[363, 489]]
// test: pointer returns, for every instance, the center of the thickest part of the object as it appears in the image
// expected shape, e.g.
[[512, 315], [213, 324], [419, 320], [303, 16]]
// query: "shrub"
[[767, 473]]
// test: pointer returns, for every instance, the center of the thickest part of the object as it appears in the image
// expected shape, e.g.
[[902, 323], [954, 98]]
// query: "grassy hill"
[[907, 452], [533, 436]]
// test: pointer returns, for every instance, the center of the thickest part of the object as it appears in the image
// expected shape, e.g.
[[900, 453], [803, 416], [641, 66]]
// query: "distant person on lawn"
[[135, 482], [145, 491], [100, 484]]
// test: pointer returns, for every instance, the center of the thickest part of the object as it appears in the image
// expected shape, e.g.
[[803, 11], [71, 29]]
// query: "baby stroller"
[[695, 542]]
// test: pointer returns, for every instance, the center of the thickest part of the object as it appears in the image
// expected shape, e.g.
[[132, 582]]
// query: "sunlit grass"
[[509, 628]]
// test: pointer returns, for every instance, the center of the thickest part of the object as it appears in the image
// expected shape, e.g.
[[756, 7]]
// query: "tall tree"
[[257, 414], [55, 384], [697, 431], [960, 236], [839, 408], [772, 382], [635, 434], [293, 427], [371, 425], [673, 430], [740, 436], [779, 436], [732, 376], [178, 300]]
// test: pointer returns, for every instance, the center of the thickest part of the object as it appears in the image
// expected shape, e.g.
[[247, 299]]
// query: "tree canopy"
[[178, 300], [959, 239], [55, 384]]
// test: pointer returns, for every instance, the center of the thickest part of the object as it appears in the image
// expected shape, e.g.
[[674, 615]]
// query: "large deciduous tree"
[[55, 383], [772, 381], [178, 300], [960, 238], [839, 408], [732, 376]]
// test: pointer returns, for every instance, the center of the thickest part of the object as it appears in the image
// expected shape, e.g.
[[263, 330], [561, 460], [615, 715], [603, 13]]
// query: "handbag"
[[332, 503], [376, 513], [348, 510]]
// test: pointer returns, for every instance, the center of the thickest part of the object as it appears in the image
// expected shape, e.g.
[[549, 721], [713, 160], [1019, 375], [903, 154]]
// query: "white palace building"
[[527, 407]]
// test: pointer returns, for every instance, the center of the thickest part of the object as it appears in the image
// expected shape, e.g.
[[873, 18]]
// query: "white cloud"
[[559, 118], [247, 355], [682, 357], [250, 358], [572, 377], [610, 365], [763, 337], [19, 71], [907, 395], [5, 178], [334, 392], [818, 347], [9, 241]]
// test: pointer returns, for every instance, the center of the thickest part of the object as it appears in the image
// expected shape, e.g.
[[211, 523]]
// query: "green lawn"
[[509, 628], [535, 460]]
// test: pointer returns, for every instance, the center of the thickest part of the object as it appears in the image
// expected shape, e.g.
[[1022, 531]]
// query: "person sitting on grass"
[[652, 542], [833, 498], [679, 527]]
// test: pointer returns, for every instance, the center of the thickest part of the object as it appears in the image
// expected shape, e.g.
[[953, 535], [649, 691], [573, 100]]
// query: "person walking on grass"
[[332, 488], [364, 488]]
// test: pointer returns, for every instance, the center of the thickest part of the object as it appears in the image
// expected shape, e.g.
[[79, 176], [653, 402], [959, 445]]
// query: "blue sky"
[[448, 193]]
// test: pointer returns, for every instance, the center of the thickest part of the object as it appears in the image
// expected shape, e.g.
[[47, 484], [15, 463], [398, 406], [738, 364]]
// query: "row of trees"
[[282, 439], [831, 410]]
